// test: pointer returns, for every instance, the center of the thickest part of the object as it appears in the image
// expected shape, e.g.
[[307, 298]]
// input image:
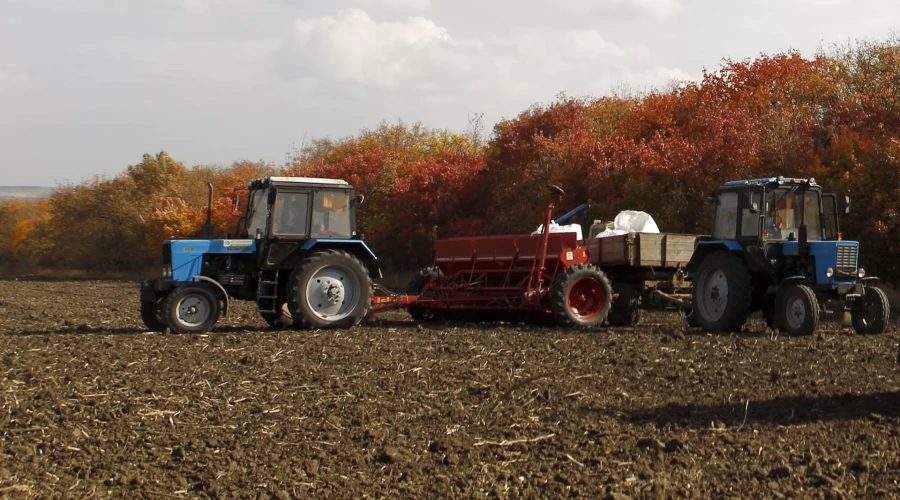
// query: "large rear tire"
[[871, 313], [329, 289], [192, 308], [581, 297], [797, 310], [722, 293]]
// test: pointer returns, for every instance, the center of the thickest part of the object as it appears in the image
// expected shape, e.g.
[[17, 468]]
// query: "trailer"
[[645, 269]]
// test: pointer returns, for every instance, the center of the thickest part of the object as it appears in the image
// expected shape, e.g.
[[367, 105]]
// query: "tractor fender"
[[705, 248], [867, 279], [355, 247], [217, 285]]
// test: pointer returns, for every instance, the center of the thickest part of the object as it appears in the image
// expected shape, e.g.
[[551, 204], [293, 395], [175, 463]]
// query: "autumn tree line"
[[834, 116]]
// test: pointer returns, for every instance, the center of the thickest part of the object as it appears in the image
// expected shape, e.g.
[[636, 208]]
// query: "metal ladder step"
[[267, 292]]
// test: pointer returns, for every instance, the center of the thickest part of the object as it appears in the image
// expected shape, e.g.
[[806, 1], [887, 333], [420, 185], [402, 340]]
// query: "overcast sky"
[[88, 86]]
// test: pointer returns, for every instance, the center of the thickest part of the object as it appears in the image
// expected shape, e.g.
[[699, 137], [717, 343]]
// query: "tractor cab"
[[785, 225], [300, 208], [774, 209]]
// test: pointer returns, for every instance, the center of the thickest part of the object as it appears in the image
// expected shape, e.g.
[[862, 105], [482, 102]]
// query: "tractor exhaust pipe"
[[207, 229]]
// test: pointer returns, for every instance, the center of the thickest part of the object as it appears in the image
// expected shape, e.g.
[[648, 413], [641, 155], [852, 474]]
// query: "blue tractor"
[[298, 256], [777, 247]]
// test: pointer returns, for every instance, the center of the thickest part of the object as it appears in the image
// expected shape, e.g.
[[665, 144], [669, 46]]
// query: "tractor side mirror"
[[272, 193], [235, 202], [754, 208], [358, 200], [712, 201], [846, 204]]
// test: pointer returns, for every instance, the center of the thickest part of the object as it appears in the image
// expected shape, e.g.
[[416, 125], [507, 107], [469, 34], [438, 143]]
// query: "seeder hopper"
[[545, 277]]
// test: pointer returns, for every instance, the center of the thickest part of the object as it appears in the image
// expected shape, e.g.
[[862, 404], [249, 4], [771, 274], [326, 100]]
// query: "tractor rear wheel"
[[797, 310], [152, 315], [192, 308], [722, 293], [329, 289], [416, 285], [871, 313], [626, 310], [581, 296]]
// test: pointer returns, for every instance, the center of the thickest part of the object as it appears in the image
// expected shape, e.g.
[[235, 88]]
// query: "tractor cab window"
[[257, 212], [331, 214], [291, 214], [785, 209], [726, 216], [751, 203]]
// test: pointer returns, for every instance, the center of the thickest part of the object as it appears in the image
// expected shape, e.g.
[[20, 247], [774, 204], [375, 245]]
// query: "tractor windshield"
[[784, 209], [257, 212], [331, 214]]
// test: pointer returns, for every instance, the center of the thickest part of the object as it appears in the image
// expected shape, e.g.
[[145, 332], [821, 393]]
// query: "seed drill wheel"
[[797, 310], [329, 289], [192, 308], [871, 313], [415, 287], [152, 315], [722, 293], [581, 296]]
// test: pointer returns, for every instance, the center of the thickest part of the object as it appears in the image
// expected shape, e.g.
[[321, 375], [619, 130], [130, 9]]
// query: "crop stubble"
[[94, 405]]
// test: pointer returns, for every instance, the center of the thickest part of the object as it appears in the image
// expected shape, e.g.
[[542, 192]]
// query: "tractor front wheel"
[[581, 296], [722, 293], [278, 320], [152, 315], [798, 310], [871, 313], [330, 289], [192, 308]]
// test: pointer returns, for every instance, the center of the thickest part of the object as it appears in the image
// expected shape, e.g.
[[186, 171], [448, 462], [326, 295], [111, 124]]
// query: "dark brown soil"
[[94, 405]]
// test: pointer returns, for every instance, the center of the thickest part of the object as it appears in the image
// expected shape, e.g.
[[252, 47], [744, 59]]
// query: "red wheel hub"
[[586, 298]]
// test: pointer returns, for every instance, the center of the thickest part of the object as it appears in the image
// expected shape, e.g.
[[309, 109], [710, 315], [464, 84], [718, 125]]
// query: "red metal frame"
[[512, 272]]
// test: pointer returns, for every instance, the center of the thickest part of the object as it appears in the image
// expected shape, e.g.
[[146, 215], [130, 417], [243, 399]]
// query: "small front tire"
[[797, 310], [871, 313], [152, 315], [192, 308]]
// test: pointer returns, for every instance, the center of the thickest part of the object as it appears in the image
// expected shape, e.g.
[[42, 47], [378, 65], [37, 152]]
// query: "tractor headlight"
[[167, 271], [860, 273], [829, 273]]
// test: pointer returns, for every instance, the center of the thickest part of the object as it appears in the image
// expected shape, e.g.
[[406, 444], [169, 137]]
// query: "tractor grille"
[[846, 259]]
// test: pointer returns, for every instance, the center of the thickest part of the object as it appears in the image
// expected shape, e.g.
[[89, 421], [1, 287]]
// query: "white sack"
[[631, 221], [556, 228]]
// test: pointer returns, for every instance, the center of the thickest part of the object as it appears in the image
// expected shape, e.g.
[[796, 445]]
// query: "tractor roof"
[[304, 181], [766, 181]]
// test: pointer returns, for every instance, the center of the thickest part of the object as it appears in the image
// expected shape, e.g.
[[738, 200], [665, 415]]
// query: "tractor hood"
[[839, 256]]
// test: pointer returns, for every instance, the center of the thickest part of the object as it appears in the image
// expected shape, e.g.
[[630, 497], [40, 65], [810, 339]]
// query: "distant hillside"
[[24, 192]]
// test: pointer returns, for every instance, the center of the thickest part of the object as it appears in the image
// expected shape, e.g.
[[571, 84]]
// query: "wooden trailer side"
[[660, 250]]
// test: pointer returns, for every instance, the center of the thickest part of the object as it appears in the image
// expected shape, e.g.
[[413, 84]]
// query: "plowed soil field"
[[93, 405]]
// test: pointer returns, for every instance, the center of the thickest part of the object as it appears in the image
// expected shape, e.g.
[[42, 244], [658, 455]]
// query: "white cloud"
[[660, 9], [13, 81], [419, 55], [418, 5]]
